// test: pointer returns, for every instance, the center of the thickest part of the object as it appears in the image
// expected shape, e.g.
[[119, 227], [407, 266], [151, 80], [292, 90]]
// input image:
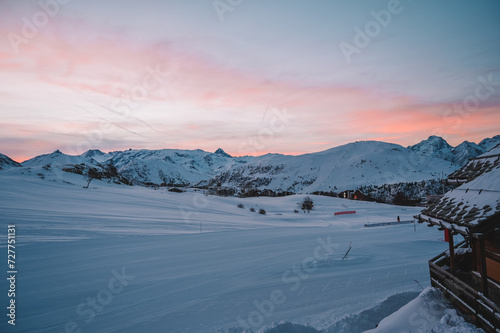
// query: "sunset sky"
[[249, 76]]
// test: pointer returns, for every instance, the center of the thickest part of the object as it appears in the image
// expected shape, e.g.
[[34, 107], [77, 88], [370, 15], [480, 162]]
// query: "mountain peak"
[[465, 151], [93, 152], [7, 162], [221, 152], [437, 140], [466, 143], [434, 146]]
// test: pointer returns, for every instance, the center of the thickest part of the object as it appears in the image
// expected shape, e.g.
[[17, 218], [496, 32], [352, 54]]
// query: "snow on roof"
[[469, 205], [476, 167], [493, 151]]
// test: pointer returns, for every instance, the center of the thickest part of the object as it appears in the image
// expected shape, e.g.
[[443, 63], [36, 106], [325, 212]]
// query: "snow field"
[[128, 259]]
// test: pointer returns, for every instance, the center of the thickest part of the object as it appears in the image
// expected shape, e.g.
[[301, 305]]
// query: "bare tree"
[[91, 174], [307, 205], [111, 171]]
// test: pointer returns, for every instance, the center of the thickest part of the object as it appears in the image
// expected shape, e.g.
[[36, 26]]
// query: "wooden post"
[[473, 246], [484, 272], [452, 252]]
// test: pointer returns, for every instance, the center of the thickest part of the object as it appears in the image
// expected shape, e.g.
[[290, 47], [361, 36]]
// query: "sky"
[[248, 76]]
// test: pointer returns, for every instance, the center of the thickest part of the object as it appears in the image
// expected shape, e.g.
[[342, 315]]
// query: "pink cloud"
[[108, 65], [71, 54]]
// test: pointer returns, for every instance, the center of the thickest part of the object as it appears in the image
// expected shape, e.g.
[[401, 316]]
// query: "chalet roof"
[[476, 167], [474, 204]]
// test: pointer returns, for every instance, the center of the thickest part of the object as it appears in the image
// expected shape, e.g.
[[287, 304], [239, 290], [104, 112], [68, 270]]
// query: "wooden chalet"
[[355, 195], [469, 272]]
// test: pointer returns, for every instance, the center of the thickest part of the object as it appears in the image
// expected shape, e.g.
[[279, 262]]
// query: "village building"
[[468, 273], [355, 195]]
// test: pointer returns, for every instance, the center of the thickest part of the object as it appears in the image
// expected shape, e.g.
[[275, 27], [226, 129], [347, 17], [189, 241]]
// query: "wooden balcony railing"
[[470, 301]]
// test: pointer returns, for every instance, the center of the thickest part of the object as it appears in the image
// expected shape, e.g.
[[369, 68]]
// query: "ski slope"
[[115, 258]]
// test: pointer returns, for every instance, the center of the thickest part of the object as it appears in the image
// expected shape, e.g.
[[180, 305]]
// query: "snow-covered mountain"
[[489, 143], [6, 162], [436, 146], [465, 151], [220, 151], [344, 167], [350, 166], [170, 166], [98, 156], [57, 158]]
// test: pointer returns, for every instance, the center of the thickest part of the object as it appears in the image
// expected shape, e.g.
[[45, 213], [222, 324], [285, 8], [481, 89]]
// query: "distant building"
[[355, 195], [348, 194], [469, 272]]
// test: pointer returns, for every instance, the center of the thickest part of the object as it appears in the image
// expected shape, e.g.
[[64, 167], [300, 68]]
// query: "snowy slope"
[[493, 151], [131, 259], [181, 167], [6, 162], [489, 143], [340, 168], [465, 151], [429, 312]]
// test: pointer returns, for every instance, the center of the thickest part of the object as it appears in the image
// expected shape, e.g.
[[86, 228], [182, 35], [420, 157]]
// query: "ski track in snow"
[[71, 241]]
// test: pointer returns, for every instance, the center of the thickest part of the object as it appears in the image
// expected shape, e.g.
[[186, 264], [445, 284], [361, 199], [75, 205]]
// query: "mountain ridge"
[[438, 147], [348, 166], [360, 163], [485, 144]]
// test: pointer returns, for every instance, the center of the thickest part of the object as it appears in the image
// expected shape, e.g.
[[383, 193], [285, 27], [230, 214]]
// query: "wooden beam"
[[474, 259], [484, 272]]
